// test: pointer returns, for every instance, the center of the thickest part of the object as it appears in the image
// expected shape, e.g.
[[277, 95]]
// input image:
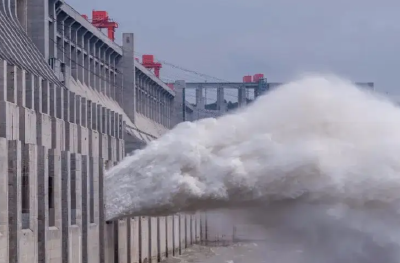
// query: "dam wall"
[[69, 110]]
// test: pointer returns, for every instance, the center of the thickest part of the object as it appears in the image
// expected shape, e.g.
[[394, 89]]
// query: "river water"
[[238, 253]]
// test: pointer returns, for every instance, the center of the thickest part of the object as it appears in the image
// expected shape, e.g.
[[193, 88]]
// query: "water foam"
[[318, 138], [318, 158]]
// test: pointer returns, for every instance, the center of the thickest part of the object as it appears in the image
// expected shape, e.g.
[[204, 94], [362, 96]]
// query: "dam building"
[[73, 103]]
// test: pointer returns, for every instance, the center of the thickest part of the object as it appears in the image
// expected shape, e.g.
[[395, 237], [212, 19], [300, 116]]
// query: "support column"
[[66, 206], [4, 201], [28, 239], [43, 202], [20, 88], [14, 195], [242, 97], [127, 66], [200, 98], [38, 31], [31, 83], [221, 105], [76, 197], [12, 83], [3, 80], [38, 100], [178, 112]]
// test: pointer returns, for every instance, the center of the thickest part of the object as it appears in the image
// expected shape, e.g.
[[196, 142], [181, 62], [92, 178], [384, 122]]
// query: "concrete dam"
[[73, 103]]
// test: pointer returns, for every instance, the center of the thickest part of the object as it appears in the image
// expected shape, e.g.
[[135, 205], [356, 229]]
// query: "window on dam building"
[[154, 102]]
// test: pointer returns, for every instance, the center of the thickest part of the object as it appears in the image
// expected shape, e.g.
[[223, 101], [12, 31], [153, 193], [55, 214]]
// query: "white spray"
[[317, 153]]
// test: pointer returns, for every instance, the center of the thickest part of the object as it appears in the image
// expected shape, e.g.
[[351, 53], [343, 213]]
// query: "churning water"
[[316, 161]]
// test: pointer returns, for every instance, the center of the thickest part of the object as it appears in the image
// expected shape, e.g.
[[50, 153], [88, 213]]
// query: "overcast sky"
[[358, 39]]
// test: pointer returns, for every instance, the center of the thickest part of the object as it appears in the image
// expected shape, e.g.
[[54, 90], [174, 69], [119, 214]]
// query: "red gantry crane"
[[148, 62], [100, 19]]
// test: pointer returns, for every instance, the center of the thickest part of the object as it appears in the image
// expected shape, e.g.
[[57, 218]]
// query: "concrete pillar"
[[192, 229], [144, 239], [68, 104], [56, 189], [221, 105], [123, 238], [73, 56], [200, 98], [99, 118], [176, 234], [242, 96], [95, 209], [112, 123], [27, 125], [86, 62], [21, 88], [104, 128], [78, 109], [14, 196], [43, 202], [38, 31], [12, 83], [28, 201], [198, 227], [108, 73], [66, 206], [112, 142], [46, 99], [154, 255], [178, 114], [109, 126], [187, 230], [84, 113], [96, 71], [135, 241], [170, 235], [38, 95], [162, 234], [101, 70], [94, 116], [80, 66], [182, 233], [116, 85], [60, 109], [57, 134], [83, 131], [127, 66], [89, 114], [91, 69], [31, 83], [84, 204], [103, 142], [3, 80], [76, 197], [4, 201]]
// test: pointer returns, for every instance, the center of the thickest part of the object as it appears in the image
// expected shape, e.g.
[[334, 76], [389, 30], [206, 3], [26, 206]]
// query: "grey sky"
[[359, 39]]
